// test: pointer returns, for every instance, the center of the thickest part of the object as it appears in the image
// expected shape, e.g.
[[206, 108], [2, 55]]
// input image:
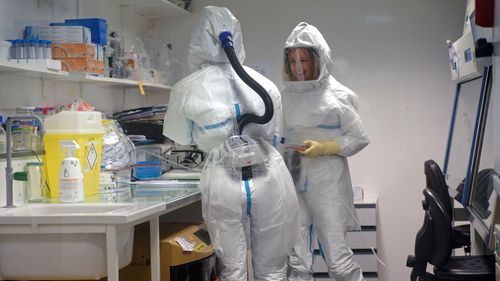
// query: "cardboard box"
[[171, 253], [73, 50], [79, 65]]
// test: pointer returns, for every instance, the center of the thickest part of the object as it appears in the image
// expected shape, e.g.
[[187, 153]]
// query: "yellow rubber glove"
[[316, 148]]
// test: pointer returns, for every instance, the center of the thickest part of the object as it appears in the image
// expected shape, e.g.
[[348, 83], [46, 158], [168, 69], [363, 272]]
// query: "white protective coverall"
[[204, 105], [203, 109], [322, 110], [268, 199]]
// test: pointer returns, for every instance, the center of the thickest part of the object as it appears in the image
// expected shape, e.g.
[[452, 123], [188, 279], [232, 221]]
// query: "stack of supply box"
[[77, 43]]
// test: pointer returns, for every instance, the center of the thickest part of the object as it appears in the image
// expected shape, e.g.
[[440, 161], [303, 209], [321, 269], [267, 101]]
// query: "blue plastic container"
[[97, 26], [146, 170]]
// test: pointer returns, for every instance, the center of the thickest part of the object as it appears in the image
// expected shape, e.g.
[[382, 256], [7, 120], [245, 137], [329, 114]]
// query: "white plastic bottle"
[[70, 175], [3, 138]]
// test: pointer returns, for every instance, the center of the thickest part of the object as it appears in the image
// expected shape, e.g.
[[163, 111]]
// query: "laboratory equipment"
[[484, 206], [35, 186], [47, 49], [39, 47], [148, 165], [3, 140], [30, 44], [227, 44], [472, 51], [8, 169], [70, 174]]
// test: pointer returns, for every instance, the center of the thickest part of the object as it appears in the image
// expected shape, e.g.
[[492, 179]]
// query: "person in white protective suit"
[[204, 105], [244, 176], [322, 128]]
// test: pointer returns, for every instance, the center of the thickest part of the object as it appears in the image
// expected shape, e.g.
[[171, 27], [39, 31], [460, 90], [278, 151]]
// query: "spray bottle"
[[70, 175]]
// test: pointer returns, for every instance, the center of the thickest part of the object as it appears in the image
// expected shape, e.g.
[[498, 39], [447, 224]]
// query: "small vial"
[[47, 52], [19, 48], [25, 47], [31, 49], [39, 49], [12, 50]]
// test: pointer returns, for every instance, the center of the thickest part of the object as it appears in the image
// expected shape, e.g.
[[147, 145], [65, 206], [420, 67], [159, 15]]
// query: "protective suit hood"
[[205, 47], [308, 36]]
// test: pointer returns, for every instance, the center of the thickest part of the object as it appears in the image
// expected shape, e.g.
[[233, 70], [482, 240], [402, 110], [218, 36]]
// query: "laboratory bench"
[[100, 232]]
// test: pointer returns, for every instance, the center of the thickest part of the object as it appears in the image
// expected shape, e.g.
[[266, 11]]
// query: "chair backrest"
[[433, 241], [435, 180]]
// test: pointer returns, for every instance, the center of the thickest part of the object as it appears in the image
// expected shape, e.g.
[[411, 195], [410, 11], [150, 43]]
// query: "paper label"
[[186, 245]]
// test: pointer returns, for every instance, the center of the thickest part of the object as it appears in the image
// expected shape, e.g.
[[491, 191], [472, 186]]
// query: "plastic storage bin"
[[86, 129], [97, 27], [148, 166]]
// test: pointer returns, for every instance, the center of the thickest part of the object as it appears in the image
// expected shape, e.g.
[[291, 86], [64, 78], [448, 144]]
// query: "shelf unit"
[[31, 70], [154, 8]]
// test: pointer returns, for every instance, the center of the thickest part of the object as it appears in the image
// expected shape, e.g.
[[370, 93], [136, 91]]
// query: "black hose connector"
[[243, 120]]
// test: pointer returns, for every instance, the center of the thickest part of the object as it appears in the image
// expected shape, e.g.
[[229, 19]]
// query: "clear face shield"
[[301, 64]]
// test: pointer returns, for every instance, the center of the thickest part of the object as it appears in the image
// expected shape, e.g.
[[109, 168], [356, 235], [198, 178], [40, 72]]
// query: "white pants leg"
[[301, 258]]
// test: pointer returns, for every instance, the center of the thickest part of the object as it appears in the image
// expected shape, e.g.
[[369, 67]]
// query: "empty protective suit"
[[204, 106], [244, 176], [322, 128]]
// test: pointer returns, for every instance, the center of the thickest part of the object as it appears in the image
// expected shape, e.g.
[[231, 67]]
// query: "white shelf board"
[[86, 78], [31, 70], [154, 8]]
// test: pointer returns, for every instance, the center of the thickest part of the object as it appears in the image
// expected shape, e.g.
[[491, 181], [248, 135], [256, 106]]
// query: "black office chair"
[[433, 245], [435, 180]]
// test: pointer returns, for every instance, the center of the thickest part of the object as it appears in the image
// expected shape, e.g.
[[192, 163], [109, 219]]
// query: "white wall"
[[393, 54], [16, 90]]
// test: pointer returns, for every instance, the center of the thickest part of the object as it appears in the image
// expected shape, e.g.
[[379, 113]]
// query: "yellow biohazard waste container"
[[84, 127]]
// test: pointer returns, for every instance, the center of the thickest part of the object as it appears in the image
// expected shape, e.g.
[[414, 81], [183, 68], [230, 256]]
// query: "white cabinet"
[[362, 243]]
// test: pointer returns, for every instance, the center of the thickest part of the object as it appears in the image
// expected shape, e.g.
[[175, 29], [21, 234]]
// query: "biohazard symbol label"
[[92, 156], [66, 173]]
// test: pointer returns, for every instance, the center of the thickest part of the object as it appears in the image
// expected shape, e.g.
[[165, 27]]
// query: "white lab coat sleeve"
[[176, 125], [354, 136]]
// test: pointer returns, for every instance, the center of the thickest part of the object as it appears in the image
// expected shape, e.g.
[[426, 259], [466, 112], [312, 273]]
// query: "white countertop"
[[98, 213]]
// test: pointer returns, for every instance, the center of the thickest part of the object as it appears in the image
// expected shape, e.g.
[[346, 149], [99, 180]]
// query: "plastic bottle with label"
[[3, 138], [70, 175]]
